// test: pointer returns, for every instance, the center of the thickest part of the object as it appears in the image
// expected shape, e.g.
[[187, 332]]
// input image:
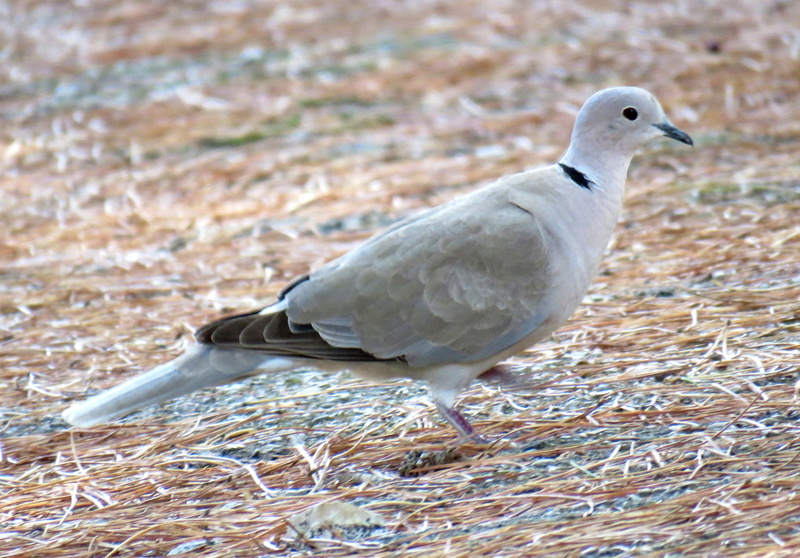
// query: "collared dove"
[[442, 296]]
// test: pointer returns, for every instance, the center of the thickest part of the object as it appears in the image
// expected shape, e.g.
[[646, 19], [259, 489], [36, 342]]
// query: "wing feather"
[[457, 286], [457, 283]]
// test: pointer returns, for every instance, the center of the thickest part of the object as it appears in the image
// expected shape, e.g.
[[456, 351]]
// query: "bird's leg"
[[502, 375], [460, 423]]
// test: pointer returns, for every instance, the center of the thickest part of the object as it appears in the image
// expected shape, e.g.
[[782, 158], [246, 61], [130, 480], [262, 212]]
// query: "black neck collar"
[[577, 176]]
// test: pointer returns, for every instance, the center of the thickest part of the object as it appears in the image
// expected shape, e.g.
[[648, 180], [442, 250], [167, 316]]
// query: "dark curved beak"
[[672, 132]]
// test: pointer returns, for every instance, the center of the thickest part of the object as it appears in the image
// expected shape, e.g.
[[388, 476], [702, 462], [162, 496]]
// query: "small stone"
[[341, 520]]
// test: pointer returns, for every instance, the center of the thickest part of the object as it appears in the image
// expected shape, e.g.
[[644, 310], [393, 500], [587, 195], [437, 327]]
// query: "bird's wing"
[[458, 283], [466, 282], [272, 333]]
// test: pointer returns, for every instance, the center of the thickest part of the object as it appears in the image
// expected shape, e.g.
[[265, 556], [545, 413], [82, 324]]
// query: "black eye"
[[630, 113]]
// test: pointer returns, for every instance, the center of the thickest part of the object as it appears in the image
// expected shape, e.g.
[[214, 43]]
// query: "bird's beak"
[[672, 132]]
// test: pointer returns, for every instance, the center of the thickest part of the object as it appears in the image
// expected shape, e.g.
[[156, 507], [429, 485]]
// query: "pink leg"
[[460, 423], [502, 374]]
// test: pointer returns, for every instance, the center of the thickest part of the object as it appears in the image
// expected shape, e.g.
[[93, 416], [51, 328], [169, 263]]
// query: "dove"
[[441, 297]]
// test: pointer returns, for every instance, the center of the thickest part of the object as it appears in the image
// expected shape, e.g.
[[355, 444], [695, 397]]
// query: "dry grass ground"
[[162, 163]]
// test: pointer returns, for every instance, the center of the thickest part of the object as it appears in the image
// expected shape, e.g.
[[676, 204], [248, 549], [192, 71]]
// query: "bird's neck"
[[607, 170]]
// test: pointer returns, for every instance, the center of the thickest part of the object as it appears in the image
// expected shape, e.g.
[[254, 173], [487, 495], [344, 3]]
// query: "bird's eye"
[[630, 113]]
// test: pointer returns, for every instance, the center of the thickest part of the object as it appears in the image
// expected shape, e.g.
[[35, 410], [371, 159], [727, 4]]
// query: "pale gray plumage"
[[442, 296]]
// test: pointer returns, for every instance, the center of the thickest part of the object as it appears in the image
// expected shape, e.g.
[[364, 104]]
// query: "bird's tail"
[[201, 366]]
